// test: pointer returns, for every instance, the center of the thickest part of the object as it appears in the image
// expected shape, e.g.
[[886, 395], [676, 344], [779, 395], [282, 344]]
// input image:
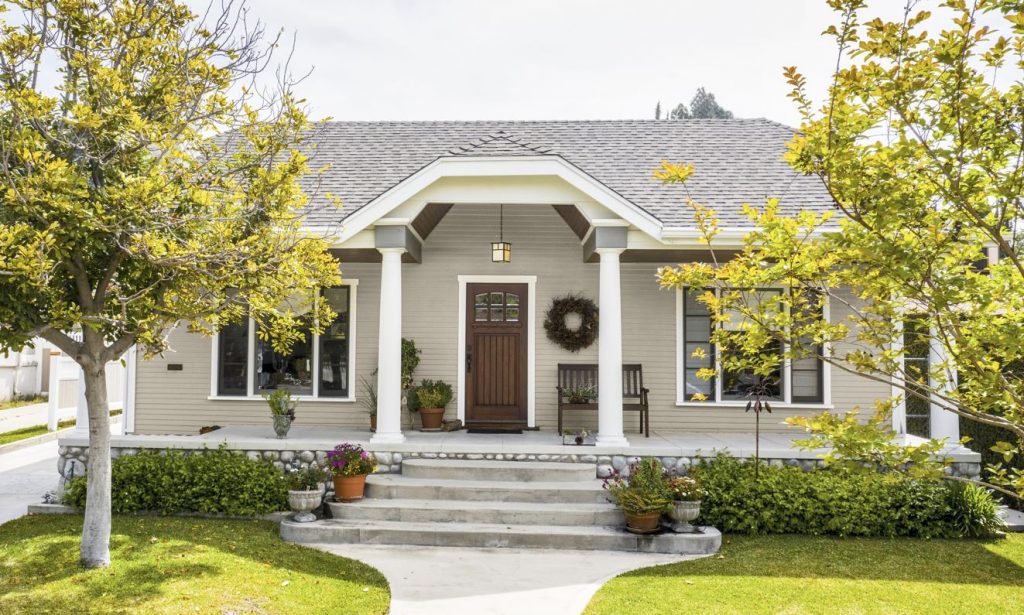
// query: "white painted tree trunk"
[[95, 552]]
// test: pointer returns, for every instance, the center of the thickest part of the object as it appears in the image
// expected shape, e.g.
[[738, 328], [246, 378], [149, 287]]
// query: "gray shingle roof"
[[737, 161]]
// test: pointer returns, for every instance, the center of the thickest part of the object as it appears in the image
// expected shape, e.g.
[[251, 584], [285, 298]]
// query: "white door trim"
[[531, 340]]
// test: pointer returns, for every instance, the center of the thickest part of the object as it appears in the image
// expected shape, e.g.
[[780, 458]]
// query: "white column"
[[609, 359], [128, 403], [389, 350], [944, 424]]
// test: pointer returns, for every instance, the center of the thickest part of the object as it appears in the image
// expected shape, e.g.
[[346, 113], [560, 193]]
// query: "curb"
[[46, 437]]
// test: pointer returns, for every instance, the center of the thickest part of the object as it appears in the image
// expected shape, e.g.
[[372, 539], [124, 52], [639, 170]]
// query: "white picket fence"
[[67, 391]]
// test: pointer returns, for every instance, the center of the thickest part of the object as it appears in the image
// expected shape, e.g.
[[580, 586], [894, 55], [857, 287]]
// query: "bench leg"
[[647, 423], [559, 422]]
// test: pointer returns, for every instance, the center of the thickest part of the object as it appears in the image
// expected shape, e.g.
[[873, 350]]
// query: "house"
[[422, 204]]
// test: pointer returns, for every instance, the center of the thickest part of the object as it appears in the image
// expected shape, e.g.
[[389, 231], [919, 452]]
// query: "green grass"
[[177, 565], [37, 430], [803, 574], [21, 400]]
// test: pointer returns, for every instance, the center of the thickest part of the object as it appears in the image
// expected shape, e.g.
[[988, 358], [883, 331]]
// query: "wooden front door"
[[496, 356]]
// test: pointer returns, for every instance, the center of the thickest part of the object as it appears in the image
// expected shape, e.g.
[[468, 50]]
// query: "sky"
[[550, 59]]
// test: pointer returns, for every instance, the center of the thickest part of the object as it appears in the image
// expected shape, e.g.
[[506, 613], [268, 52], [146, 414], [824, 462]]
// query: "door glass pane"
[[496, 313], [512, 314], [334, 343], [497, 298], [480, 314], [480, 300], [511, 299]]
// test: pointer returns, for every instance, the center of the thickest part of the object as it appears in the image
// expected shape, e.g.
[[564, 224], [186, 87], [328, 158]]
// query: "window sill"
[[303, 398], [743, 404]]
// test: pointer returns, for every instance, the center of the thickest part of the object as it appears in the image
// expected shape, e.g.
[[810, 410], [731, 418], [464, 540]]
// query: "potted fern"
[[433, 396], [369, 400]]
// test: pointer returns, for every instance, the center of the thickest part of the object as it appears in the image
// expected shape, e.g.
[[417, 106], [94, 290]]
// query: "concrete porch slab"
[[660, 444]]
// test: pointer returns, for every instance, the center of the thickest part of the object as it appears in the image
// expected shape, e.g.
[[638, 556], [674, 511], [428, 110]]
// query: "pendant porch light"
[[501, 250]]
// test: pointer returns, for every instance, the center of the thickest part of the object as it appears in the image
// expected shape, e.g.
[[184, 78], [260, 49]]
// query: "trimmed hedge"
[[214, 481], [789, 500]]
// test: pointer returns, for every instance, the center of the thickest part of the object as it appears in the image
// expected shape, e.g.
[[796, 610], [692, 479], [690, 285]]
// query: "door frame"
[[531, 339]]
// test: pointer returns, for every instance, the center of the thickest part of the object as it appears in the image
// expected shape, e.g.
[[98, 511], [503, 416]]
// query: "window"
[[805, 375], [318, 366], [916, 367], [496, 307]]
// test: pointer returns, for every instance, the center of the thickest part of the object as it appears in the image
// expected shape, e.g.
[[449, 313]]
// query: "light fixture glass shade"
[[501, 252]]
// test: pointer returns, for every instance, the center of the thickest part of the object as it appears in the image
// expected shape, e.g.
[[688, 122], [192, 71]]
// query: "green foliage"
[[369, 397], [684, 488], [835, 501], [434, 394], [307, 479], [918, 145], [702, 106], [214, 481], [643, 491], [281, 403], [581, 394], [989, 441], [410, 359]]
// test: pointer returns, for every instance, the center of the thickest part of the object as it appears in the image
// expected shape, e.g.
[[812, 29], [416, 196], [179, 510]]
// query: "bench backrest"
[[574, 375]]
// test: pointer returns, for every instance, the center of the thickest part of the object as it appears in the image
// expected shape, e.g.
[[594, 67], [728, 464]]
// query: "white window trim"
[[251, 395], [787, 402], [531, 340]]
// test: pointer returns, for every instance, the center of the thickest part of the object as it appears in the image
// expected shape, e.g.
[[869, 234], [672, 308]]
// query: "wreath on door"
[[559, 332]]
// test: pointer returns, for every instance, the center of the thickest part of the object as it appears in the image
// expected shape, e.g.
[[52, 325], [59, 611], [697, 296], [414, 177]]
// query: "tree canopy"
[[702, 105], [155, 183], [920, 143]]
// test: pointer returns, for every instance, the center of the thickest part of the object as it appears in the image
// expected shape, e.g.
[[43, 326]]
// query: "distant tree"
[[702, 106]]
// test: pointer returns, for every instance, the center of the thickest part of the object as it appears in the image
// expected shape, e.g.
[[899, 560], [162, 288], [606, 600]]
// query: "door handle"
[[469, 359]]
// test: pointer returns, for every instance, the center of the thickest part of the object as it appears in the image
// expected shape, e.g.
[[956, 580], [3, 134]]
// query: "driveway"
[[25, 475]]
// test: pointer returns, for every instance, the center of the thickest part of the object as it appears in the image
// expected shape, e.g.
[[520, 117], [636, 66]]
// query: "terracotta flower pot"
[[373, 422], [349, 488], [432, 418], [644, 523]]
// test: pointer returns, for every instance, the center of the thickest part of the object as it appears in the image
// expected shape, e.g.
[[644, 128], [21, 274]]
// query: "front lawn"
[[178, 565], [804, 574]]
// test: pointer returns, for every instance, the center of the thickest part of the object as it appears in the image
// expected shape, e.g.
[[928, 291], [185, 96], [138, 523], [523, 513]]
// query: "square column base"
[[604, 441], [387, 438]]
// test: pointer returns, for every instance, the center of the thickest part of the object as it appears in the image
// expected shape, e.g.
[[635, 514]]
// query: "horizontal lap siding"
[[542, 245]]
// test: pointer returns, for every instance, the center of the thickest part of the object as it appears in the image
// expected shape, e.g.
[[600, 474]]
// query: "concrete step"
[[455, 511], [397, 486], [490, 535], [514, 471]]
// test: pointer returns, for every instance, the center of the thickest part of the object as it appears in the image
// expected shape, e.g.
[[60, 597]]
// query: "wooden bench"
[[634, 395]]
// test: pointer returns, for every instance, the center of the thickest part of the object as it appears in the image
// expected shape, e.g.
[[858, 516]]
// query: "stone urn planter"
[[282, 423], [683, 513], [349, 488], [303, 503], [645, 523]]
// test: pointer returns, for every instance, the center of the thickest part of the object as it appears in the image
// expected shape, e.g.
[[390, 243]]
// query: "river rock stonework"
[[73, 460]]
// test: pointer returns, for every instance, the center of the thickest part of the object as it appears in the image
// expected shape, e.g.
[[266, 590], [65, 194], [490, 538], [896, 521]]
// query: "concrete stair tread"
[[455, 527], [505, 471], [410, 503], [399, 479]]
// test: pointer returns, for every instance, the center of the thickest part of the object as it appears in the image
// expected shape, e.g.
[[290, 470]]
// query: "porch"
[[306, 444]]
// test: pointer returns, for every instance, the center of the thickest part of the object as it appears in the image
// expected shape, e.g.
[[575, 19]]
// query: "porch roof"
[[737, 161]]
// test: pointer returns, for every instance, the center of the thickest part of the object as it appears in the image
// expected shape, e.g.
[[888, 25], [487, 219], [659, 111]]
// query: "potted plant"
[[349, 464], [433, 396], [686, 493], [579, 438], [305, 492], [369, 401], [282, 410], [583, 394], [643, 495]]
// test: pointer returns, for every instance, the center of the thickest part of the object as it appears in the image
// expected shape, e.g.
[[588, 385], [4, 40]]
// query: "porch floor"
[[660, 444]]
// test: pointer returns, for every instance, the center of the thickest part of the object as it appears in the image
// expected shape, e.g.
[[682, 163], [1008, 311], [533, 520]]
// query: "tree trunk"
[[95, 551]]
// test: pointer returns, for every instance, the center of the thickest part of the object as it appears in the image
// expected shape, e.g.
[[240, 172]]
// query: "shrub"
[[832, 501], [973, 510], [215, 481], [434, 394]]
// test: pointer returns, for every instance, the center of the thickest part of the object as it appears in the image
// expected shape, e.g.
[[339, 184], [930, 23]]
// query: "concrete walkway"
[[30, 416], [25, 476], [447, 580]]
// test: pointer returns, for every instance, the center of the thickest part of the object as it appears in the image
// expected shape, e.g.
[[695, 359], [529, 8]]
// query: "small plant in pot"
[[642, 495], [583, 394], [282, 410], [369, 400], [687, 494], [433, 396], [349, 464], [305, 492]]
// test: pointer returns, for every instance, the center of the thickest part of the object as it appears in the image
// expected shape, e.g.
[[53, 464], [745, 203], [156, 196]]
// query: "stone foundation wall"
[[73, 460]]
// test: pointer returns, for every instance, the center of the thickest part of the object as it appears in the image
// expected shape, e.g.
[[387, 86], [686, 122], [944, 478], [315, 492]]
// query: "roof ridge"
[[498, 135]]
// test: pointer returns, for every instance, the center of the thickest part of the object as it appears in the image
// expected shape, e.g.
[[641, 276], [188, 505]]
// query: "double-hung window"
[[800, 380], [916, 368], [316, 366]]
